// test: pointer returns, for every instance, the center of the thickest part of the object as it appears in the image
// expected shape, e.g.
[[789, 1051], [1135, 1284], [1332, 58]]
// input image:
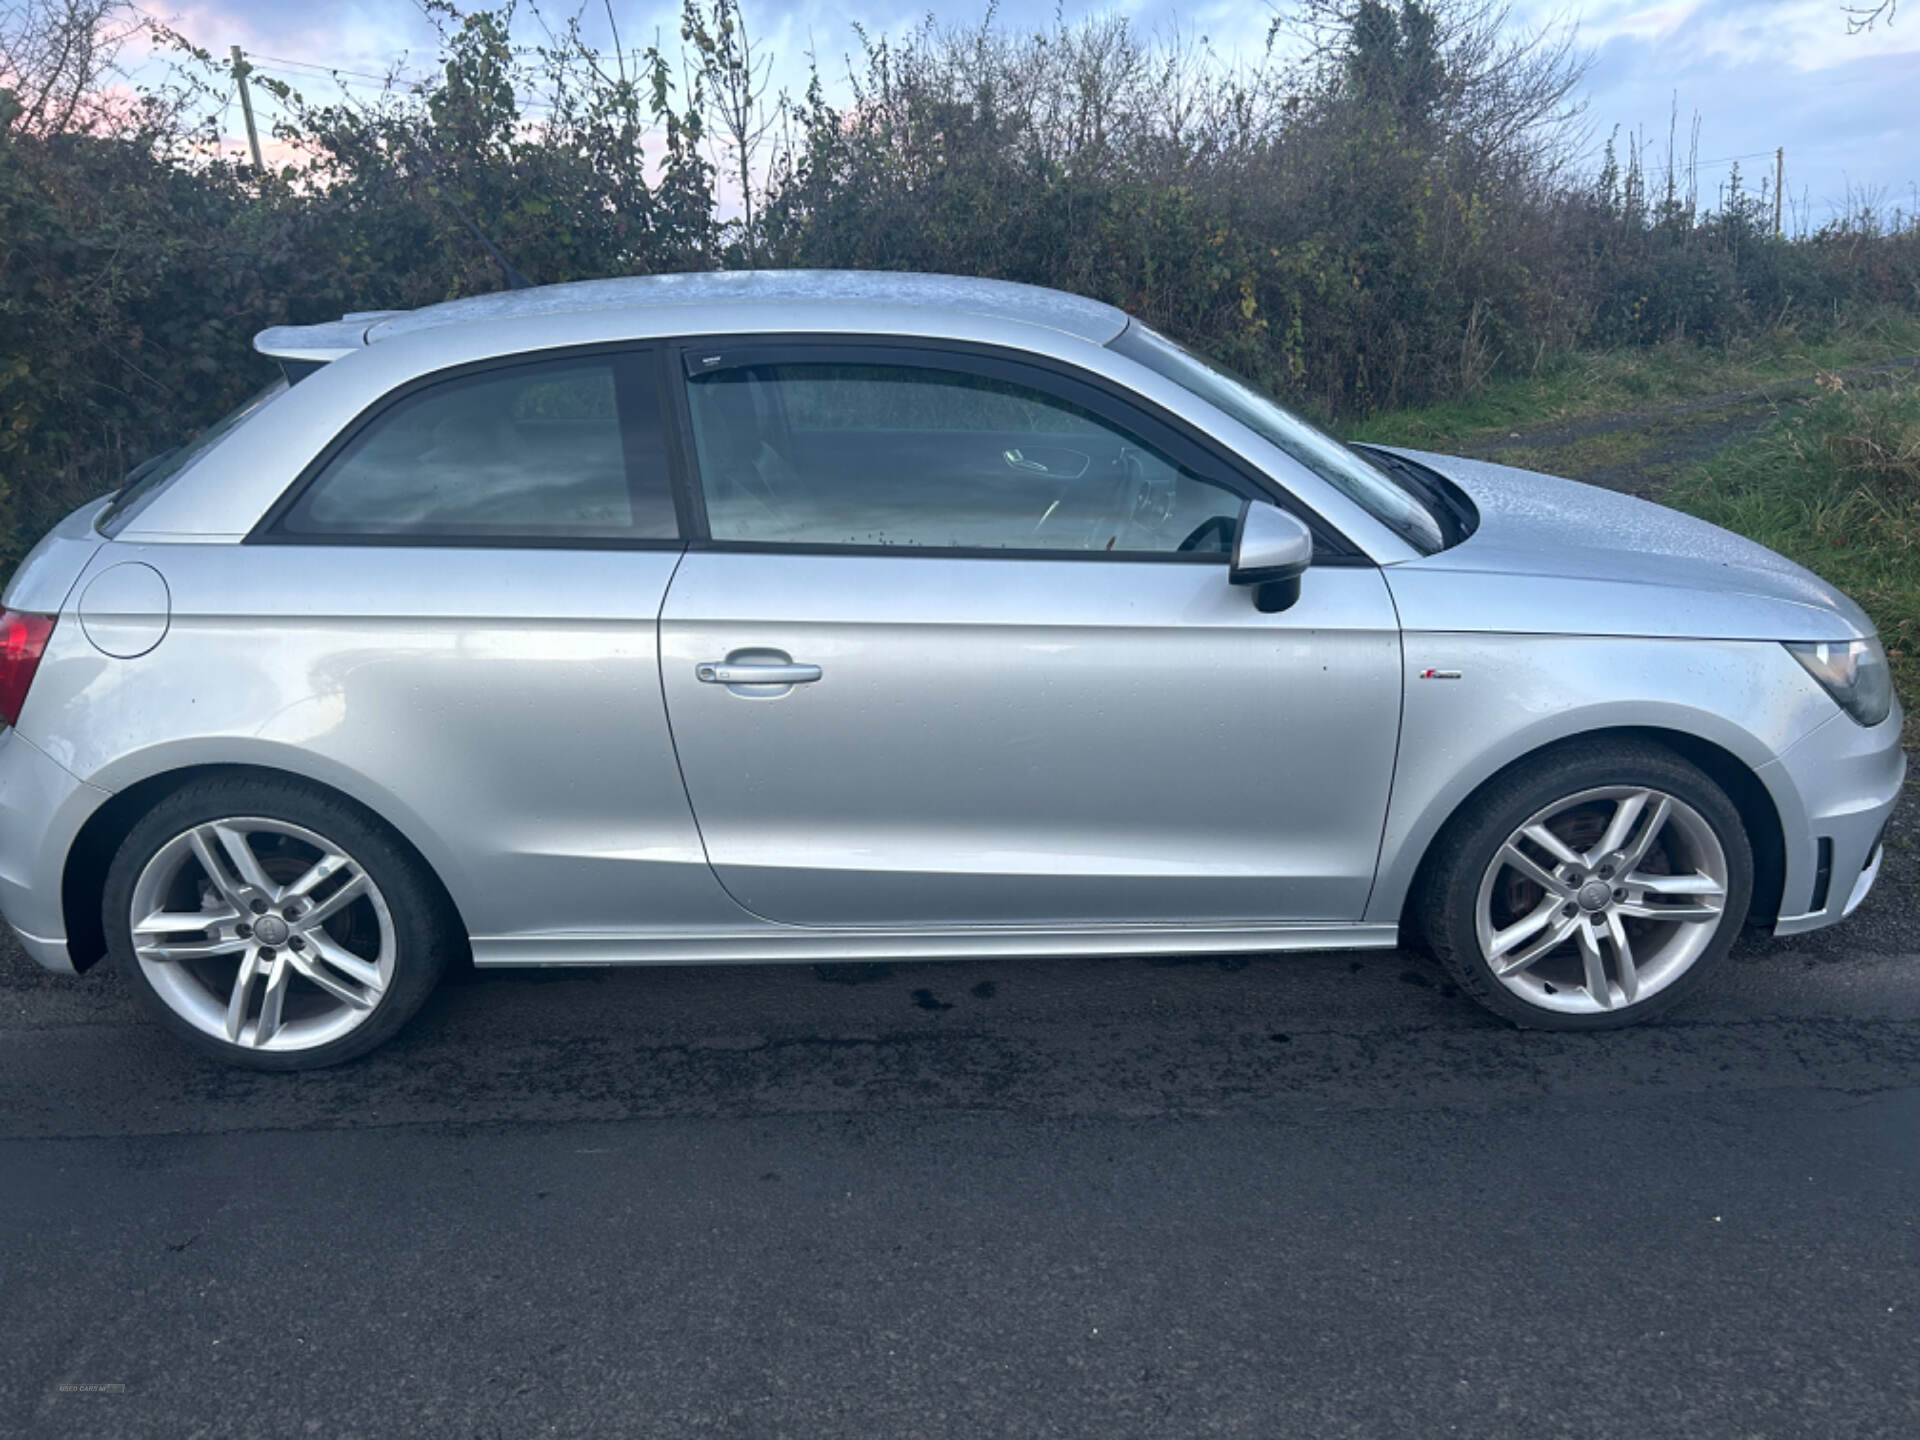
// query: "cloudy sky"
[[1760, 73]]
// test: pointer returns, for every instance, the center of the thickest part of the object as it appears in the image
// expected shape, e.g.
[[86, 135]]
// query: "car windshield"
[[1362, 482], [147, 479]]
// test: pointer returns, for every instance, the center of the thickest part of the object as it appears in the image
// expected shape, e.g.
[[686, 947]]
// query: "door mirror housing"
[[1271, 551]]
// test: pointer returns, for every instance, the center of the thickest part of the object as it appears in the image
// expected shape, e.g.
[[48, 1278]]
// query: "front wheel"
[[273, 925], [1589, 888]]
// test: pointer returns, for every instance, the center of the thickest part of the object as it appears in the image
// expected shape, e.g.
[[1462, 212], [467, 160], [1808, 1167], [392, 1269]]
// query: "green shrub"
[[1382, 223]]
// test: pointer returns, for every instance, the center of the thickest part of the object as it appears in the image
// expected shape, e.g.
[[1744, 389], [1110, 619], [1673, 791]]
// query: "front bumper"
[[42, 807], [1847, 779]]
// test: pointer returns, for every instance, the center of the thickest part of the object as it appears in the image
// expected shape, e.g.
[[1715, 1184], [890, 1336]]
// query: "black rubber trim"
[[298, 370], [1458, 515], [1822, 876]]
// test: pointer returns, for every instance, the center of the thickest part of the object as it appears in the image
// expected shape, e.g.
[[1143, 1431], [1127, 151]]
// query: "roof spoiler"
[[302, 349]]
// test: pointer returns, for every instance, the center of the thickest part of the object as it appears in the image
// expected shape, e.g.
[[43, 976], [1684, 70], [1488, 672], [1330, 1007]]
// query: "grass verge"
[[1578, 387], [1834, 484]]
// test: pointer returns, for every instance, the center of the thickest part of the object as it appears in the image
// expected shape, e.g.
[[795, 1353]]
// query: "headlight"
[[1853, 672]]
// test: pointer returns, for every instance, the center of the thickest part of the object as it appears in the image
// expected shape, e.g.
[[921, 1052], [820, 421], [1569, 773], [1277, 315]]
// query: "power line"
[[351, 82], [330, 69], [383, 86], [278, 65], [1717, 159]]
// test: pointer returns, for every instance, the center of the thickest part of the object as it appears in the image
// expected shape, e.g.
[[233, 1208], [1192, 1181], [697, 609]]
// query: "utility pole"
[[240, 69], [1779, 180]]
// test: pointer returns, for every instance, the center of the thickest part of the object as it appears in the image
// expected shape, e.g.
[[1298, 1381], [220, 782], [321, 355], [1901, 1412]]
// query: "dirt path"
[[1639, 451]]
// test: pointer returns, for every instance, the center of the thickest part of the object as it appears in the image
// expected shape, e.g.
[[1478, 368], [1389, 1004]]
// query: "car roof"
[[766, 289]]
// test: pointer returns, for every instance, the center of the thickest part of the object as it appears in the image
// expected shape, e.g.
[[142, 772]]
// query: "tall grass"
[[1577, 385], [1835, 485]]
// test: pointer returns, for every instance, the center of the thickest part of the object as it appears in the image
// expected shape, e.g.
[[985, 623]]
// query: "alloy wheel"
[[1602, 899], [263, 934]]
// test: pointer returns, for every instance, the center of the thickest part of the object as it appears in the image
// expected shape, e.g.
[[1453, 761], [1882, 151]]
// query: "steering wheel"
[[1134, 500]]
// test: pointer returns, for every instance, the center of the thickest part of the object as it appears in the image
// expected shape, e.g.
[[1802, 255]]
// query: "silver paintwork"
[[46, 577], [1556, 556], [501, 708], [1019, 755], [768, 944], [42, 807], [1637, 905], [256, 961], [124, 610], [1034, 740], [321, 343], [1848, 777], [715, 290], [1269, 543], [757, 673], [1519, 693], [1865, 883]]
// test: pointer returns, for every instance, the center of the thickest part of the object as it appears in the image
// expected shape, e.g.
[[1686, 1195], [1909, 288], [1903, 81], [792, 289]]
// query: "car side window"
[[921, 456], [540, 451]]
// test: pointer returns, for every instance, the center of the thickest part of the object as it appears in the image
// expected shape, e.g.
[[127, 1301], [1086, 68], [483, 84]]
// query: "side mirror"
[[1271, 551]]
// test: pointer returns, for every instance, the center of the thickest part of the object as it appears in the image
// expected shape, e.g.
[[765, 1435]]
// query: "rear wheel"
[[272, 924], [1589, 888]]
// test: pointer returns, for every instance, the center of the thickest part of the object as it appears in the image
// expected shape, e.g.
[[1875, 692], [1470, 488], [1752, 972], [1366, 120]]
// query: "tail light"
[[23, 639]]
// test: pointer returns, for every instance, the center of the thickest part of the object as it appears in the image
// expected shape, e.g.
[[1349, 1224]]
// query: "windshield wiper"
[[1451, 508]]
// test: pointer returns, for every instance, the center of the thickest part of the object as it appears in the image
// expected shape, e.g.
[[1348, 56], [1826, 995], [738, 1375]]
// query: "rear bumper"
[[42, 807], [1848, 779]]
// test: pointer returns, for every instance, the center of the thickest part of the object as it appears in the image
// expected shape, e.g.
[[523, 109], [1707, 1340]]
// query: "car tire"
[[356, 954], [1478, 895]]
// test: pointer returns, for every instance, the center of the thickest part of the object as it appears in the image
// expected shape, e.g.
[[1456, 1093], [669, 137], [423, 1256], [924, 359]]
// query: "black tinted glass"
[[537, 450], [864, 455]]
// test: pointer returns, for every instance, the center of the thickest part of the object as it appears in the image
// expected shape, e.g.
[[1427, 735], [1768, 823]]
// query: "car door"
[[960, 648]]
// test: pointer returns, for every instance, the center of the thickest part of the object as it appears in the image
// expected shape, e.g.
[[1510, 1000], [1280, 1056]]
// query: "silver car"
[[816, 616]]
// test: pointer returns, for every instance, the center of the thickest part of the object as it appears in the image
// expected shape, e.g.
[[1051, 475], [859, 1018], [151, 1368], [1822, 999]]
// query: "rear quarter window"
[[542, 450]]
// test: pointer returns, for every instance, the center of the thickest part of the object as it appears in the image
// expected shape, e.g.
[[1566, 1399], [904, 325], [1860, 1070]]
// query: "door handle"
[[723, 672]]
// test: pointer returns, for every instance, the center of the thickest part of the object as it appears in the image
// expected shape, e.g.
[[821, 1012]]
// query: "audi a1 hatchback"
[[818, 616]]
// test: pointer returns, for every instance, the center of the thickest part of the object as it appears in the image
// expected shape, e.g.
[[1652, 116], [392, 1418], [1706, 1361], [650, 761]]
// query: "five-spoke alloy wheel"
[[1590, 887], [284, 934], [262, 933], [1635, 904]]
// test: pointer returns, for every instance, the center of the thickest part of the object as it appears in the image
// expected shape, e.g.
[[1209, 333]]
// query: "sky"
[[1759, 74]]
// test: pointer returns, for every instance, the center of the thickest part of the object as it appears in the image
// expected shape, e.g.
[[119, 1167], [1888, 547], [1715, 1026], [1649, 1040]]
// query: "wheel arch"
[[1758, 806], [83, 878]]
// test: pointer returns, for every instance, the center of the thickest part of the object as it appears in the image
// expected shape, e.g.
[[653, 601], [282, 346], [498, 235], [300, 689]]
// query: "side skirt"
[[796, 945]]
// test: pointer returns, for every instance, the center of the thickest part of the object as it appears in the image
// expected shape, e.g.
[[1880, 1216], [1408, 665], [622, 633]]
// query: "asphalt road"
[[1279, 1196]]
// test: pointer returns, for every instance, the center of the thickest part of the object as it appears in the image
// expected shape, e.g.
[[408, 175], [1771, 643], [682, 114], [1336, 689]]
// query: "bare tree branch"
[[1862, 18], [58, 56]]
